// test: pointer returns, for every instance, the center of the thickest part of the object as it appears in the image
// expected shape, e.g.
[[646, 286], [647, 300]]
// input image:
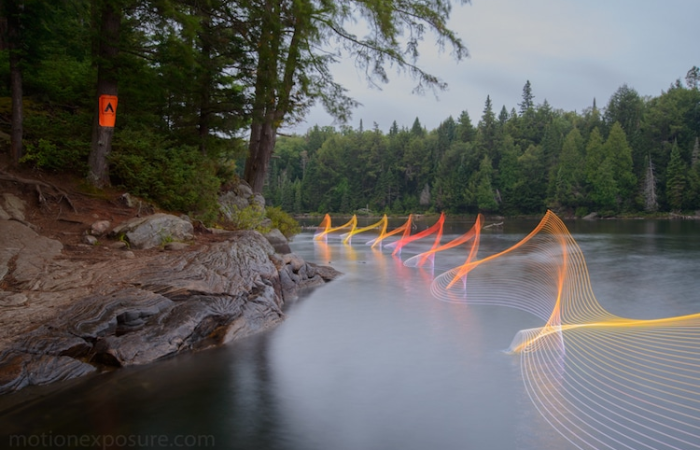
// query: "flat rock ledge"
[[61, 319]]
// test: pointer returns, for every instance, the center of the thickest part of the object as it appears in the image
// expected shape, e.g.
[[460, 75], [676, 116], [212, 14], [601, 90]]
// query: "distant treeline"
[[636, 154]]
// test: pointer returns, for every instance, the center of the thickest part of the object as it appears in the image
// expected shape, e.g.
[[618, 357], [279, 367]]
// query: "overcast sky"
[[571, 51]]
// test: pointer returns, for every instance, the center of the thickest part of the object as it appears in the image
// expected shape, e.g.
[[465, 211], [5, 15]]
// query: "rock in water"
[[278, 241]]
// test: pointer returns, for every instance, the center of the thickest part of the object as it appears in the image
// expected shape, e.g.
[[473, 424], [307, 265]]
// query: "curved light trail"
[[602, 381]]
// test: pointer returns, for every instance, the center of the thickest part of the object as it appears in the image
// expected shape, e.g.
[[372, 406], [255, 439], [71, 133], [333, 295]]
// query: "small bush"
[[44, 154], [249, 218], [283, 221]]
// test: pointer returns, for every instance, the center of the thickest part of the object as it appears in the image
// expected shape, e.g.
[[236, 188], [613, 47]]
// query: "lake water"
[[372, 360]]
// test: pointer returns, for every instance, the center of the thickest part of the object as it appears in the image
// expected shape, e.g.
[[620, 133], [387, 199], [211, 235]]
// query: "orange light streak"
[[472, 234], [405, 228], [408, 238], [326, 224], [382, 223]]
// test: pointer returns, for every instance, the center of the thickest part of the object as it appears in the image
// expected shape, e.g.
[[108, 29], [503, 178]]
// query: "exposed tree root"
[[59, 194]]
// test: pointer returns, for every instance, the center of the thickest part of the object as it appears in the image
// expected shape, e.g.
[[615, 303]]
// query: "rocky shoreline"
[[61, 318]]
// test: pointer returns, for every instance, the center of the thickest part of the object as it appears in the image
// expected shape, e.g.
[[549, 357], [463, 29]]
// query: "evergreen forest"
[[635, 155]]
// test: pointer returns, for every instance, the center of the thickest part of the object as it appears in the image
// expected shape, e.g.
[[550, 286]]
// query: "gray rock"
[[100, 227], [155, 230], [128, 200], [591, 216], [30, 251], [89, 239], [4, 215], [243, 189], [279, 241], [129, 254], [257, 199], [294, 261], [14, 206], [175, 246], [230, 203], [119, 245]]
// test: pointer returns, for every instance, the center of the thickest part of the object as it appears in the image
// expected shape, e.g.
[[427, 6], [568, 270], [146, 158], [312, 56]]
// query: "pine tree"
[[604, 191], [650, 198], [571, 171], [618, 150], [465, 129], [417, 129], [528, 99], [676, 179], [485, 197], [594, 154], [692, 78], [487, 128], [394, 130], [692, 198], [503, 116]]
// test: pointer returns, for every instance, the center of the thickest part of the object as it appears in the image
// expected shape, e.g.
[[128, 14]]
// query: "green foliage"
[[617, 149], [604, 188], [47, 155], [676, 179], [570, 175], [177, 178], [581, 211], [251, 217], [282, 221]]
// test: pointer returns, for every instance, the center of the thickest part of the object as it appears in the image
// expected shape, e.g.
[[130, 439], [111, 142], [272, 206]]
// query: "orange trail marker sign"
[[108, 110]]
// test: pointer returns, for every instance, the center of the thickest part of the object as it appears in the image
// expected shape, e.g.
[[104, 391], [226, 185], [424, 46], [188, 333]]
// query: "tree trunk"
[[14, 35], [262, 142], [17, 150], [110, 21], [206, 82], [272, 95]]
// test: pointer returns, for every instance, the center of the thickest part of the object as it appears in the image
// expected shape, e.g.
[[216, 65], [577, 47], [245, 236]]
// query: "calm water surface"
[[372, 361]]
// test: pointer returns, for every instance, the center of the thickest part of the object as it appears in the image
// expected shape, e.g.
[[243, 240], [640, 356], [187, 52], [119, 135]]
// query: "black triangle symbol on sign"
[[109, 108]]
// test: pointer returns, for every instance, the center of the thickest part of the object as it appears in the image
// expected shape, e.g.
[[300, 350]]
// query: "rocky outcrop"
[[61, 319], [278, 241], [238, 198], [154, 230]]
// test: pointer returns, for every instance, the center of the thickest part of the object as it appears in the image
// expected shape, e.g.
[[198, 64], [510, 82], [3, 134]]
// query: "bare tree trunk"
[[110, 21], [272, 95], [262, 143], [14, 40], [206, 82], [16, 148]]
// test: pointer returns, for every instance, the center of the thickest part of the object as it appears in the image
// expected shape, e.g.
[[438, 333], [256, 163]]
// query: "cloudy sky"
[[571, 51]]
